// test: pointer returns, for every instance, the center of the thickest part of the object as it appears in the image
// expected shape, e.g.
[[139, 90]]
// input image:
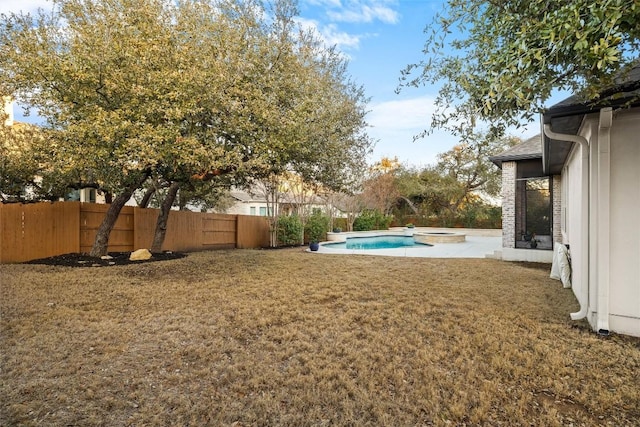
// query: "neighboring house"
[[89, 195], [247, 203], [591, 154], [254, 202]]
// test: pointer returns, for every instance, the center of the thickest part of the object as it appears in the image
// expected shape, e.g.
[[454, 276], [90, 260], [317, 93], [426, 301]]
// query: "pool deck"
[[478, 244]]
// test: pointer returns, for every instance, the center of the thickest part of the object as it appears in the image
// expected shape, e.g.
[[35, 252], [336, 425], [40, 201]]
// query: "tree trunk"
[[411, 205], [163, 217], [101, 243], [147, 196]]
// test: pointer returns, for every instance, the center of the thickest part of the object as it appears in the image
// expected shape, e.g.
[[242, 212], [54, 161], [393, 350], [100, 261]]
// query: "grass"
[[287, 338]]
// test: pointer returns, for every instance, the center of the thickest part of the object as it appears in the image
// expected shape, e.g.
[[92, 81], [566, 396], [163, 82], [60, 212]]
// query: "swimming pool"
[[375, 242]]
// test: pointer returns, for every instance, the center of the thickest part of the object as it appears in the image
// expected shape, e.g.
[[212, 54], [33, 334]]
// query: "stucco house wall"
[[624, 224], [573, 221], [607, 258]]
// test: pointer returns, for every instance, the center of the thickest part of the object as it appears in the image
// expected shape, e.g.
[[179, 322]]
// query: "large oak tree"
[[133, 89], [499, 61]]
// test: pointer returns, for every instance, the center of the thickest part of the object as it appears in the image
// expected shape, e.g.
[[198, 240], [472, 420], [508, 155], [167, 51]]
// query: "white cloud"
[[365, 13], [360, 11], [330, 34], [24, 5], [342, 39], [395, 124], [325, 3], [405, 114]]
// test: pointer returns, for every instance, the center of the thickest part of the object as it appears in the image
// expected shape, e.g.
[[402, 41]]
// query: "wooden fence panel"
[[184, 232], [252, 232], [145, 226], [218, 231], [38, 230], [121, 237]]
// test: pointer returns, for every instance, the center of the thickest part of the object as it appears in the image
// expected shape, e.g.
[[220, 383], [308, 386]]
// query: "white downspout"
[[584, 207], [603, 221]]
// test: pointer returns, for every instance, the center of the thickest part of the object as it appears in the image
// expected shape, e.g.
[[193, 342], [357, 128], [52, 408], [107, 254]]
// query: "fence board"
[[145, 227], [121, 237], [38, 230], [184, 232], [252, 232], [219, 231]]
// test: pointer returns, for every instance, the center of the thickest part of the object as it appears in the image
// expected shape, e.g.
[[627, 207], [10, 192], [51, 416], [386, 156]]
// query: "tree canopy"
[[499, 61], [460, 186], [133, 89]]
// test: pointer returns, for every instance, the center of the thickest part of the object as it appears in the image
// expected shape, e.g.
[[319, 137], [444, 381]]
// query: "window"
[[72, 196], [263, 211], [533, 209], [252, 210]]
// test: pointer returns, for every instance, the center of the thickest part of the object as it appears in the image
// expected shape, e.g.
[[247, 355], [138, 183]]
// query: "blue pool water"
[[375, 242]]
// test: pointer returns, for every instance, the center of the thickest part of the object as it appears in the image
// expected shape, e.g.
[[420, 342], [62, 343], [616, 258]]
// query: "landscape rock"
[[140, 255]]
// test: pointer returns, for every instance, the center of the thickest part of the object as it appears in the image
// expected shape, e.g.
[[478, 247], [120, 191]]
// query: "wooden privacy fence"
[[41, 230]]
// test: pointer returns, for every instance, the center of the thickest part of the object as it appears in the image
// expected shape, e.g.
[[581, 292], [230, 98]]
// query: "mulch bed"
[[114, 258]]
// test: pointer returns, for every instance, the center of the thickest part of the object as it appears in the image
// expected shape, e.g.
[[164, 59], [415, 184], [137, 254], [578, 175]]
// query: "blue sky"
[[379, 37]]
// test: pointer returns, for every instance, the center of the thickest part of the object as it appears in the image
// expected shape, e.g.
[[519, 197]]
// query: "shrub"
[[289, 230], [316, 227], [371, 219], [340, 223]]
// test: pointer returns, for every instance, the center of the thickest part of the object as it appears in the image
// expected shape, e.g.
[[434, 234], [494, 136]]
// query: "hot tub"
[[432, 237]]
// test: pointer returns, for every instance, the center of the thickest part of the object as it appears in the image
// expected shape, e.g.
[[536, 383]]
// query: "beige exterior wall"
[[244, 208], [624, 211], [611, 266], [572, 220]]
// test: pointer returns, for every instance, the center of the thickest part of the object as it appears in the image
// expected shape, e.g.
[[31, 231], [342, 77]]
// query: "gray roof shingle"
[[528, 149]]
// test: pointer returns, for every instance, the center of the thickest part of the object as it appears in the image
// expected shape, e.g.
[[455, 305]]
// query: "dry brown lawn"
[[287, 338]]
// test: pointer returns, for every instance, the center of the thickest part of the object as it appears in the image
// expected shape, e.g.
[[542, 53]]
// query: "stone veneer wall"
[[509, 204], [521, 207], [556, 194]]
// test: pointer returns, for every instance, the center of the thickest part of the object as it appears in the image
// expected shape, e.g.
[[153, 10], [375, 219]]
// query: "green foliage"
[[289, 230], [500, 60], [372, 219], [316, 226], [18, 162], [340, 223], [452, 190], [469, 165], [139, 88], [29, 166]]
